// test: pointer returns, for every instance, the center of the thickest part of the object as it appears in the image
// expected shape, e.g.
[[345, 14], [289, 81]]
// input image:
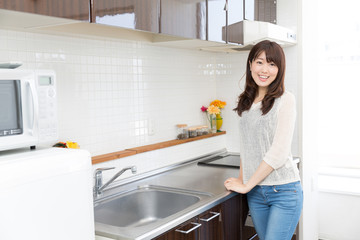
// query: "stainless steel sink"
[[144, 205]]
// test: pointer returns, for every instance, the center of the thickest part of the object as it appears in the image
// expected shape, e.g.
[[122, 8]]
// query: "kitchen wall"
[[116, 94]]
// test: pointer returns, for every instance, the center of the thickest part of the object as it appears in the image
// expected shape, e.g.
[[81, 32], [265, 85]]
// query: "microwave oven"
[[28, 108]]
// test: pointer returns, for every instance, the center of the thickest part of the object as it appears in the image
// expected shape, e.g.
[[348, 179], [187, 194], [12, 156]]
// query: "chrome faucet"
[[99, 187]]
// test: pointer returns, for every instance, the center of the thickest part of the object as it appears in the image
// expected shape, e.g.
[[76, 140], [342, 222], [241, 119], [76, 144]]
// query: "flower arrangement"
[[213, 113], [211, 109]]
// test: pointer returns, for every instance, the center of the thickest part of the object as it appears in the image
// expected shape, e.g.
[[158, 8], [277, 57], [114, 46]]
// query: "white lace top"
[[268, 137]]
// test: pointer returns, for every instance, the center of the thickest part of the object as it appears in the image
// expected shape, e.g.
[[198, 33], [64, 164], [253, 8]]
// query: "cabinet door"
[[234, 213], [133, 14], [211, 225], [183, 18], [190, 230], [265, 10], [74, 9], [222, 14], [235, 11], [216, 20]]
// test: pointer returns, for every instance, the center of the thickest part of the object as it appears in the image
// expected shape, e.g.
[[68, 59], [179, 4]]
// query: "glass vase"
[[212, 119]]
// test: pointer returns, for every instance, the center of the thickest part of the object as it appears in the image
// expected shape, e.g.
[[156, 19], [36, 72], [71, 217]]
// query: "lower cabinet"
[[222, 222], [211, 224]]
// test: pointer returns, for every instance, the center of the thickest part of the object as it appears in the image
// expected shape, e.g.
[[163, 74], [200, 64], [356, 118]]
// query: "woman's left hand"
[[236, 185]]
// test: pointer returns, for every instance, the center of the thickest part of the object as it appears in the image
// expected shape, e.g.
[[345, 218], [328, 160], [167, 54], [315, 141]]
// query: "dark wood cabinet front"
[[133, 14], [265, 10], [211, 224], [183, 18], [73, 9], [234, 213]]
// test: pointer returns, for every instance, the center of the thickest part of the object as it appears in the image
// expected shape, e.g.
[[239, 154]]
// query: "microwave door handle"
[[35, 110]]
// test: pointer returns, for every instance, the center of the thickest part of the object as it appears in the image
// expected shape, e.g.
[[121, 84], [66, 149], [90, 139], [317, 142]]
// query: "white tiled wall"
[[116, 94]]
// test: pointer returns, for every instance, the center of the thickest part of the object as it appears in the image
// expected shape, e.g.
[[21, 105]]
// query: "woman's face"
[[263, 72]]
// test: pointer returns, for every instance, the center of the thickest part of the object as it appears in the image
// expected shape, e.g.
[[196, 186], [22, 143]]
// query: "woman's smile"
[[263, 78]]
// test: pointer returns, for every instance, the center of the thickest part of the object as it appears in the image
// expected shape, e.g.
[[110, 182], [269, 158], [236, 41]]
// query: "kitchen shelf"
[[132, 151], [112, 156]]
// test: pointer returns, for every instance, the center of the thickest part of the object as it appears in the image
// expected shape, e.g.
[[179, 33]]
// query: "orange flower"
[[218, 103]]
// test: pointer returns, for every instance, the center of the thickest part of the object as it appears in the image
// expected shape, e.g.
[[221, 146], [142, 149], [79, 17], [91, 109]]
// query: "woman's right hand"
[[236, 185]]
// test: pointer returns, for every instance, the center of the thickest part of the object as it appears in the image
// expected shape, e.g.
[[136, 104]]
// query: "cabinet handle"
[[212, 217], [197, 225]]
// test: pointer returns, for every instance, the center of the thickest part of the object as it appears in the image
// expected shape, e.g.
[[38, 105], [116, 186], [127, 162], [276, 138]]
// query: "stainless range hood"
[[248, 32], [245, 34]]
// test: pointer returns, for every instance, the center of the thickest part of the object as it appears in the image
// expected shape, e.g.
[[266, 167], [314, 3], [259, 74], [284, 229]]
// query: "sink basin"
[[144, 205]]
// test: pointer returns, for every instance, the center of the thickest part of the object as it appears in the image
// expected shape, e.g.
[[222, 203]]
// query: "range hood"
[[251, 32], [245, 34]]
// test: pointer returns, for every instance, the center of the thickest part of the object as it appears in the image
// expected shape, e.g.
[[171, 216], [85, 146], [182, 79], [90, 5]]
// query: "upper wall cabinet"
[[235, 11], [133, 14], [265, 10], [73, 9], [184, 18], [216, 20], [181, 23]]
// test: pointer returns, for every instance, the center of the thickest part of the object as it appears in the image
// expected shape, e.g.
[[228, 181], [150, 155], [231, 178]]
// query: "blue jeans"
[[275, 210]]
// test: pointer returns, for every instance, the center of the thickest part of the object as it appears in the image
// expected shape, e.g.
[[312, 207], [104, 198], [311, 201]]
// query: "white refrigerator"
[[46, 195]]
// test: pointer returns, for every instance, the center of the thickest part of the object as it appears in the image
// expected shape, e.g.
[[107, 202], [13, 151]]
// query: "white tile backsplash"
[[116, 94]]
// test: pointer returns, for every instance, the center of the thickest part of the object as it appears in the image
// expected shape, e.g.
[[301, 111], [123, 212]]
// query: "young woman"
[[268, 174]]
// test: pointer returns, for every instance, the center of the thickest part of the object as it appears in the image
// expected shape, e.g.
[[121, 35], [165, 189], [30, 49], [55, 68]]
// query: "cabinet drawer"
[[190, 230]]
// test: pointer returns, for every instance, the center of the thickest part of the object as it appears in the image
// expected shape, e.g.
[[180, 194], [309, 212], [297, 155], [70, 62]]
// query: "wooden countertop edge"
[[132, 151]]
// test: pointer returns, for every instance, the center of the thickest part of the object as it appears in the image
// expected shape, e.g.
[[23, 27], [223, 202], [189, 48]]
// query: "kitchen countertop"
[[188, 175]]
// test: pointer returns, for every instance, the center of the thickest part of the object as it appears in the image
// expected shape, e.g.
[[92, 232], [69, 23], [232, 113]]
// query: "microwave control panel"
[[46, 88]]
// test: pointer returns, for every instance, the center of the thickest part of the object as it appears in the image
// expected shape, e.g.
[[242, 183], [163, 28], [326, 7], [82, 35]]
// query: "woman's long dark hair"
[[275, 54]]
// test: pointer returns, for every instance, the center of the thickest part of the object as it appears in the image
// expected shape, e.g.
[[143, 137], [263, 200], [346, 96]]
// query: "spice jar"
[[205, 130], [200, 130], [182, 131], [192, 131]]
